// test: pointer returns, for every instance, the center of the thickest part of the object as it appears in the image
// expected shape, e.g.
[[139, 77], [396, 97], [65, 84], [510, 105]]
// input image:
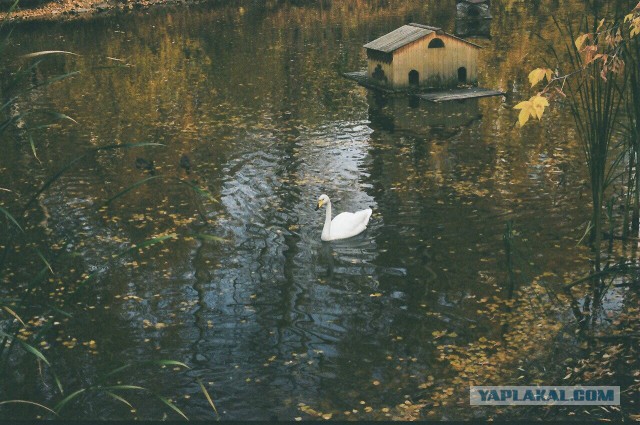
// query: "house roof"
[[404, 35]]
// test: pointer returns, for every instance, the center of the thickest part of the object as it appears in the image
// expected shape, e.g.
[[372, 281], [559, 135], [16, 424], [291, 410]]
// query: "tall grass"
[[598, 91], [595, 100], [632, 58]]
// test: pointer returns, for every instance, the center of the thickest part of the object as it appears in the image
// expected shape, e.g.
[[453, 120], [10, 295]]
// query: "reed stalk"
[[594, 100]]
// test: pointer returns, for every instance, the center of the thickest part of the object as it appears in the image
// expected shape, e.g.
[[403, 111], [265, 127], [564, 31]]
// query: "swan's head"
[[322, 200]]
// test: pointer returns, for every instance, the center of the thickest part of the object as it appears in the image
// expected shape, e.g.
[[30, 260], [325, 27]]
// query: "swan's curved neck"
[[327, 221]]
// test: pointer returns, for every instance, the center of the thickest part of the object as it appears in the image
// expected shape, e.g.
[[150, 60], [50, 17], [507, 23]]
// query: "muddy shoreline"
[[62, 10]]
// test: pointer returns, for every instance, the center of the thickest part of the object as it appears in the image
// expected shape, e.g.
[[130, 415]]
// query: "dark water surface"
[[273, 317]]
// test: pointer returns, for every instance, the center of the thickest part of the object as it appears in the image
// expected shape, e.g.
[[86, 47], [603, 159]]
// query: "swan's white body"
[[344, 225]]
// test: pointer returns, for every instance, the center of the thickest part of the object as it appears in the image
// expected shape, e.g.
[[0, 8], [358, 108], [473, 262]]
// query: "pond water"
[[272, 317]]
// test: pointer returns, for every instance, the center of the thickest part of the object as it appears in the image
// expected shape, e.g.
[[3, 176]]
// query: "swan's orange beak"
[[320, 204]]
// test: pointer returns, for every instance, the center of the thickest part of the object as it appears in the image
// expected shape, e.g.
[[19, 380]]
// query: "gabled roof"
[[404, 35]]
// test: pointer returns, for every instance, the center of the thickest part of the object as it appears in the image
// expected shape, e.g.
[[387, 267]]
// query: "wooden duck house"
[[416, 55]]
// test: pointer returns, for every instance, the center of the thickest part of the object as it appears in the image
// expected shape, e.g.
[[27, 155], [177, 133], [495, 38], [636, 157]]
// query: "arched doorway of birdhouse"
[[462, 74], [414, 78]]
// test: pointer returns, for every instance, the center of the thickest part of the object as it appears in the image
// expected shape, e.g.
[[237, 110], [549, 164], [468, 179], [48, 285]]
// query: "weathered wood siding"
[[437, 67], [387, 68]]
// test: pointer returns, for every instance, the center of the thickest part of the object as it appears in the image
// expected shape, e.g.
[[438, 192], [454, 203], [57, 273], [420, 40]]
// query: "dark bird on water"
[[143, 164], [185, 163]]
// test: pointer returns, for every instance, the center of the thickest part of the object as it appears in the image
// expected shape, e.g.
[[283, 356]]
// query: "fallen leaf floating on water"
[[147, 324]]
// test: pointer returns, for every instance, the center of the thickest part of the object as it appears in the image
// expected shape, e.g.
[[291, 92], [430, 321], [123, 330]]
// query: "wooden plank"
[[458, 94], [432, 96], [361, 78], [357, 76]]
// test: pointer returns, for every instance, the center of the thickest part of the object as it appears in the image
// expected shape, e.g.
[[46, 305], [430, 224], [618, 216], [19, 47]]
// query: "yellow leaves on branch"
[[589, 45], [539, 74], [580, 40], [533, 107], [634, 21], [590, 50], [593, 47]]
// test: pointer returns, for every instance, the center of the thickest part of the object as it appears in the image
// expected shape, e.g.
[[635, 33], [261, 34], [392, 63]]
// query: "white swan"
[[344, 225]]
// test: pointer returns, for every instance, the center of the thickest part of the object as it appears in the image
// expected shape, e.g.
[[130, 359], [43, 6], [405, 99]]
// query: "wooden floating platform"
[[458, 94], [436, 96], [361, 78]]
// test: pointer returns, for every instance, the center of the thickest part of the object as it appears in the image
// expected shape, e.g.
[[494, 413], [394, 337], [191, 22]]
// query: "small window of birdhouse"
[[436, 43]]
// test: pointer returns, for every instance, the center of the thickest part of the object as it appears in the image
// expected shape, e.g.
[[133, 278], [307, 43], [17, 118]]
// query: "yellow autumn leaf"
[[525, 111], [539, 74], [524, 115], [535, 76], [534, 107], [635, 27], [580, 41], [539, 104]]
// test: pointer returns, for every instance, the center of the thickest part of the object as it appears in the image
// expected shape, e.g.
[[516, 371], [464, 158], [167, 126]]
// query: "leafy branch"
[[601, 47]]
